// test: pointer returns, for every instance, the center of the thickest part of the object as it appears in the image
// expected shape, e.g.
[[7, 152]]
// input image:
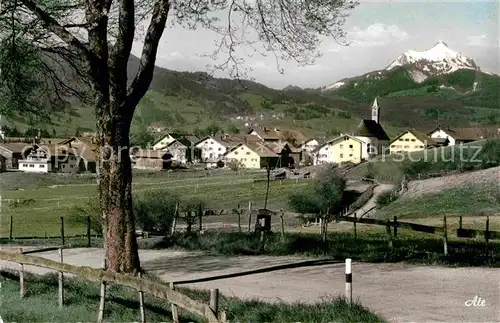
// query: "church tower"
[[375, 111]]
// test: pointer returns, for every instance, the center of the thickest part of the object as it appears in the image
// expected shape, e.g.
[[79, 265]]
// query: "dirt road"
[[398, 292]]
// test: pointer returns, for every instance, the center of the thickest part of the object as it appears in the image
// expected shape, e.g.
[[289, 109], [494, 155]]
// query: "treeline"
[[29, 133]]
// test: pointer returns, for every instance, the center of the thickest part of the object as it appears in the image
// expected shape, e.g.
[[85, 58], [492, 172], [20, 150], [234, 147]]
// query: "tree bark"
[[115, 188]]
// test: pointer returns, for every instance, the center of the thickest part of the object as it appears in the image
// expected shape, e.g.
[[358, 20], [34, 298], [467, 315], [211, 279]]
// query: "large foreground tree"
[[81, 48]]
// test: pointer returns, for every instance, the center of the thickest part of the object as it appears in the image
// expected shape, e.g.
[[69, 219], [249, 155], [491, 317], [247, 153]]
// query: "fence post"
[[282, 224], [175, 313], [10, 229], [214, 301], [354, 223], [61, 280], [487, 232], [200, 218], [348, 280], [100, 314], [239, 218], [445, 237], [101, 303], [262, 240], [395, 227], [249, 216], [88, 231], [388, 231], [176, 214], [62, 231], [21, 277], [141, 303]]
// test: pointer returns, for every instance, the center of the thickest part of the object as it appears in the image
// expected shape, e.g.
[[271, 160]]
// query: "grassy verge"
[[82, 302], [368, 246], [470, 200]]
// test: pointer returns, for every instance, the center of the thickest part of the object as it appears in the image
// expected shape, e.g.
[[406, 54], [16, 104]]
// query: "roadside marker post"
[[348, 280]]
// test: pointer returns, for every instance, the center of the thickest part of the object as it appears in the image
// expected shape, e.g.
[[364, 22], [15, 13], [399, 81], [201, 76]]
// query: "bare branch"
[[53, 26], [120, 52], [144, 75]]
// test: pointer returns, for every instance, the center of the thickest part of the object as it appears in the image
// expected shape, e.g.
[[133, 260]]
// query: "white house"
[[440, 134], [323, 154], [309, 145], [371, 132], [458, 136], [211, 148], [50, 158], [34, 164]]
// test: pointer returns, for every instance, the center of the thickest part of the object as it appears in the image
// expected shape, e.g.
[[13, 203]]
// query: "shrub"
[[154, 212], [193, 209], [387, 198], [235, 165], [324, 194], [490, 154]]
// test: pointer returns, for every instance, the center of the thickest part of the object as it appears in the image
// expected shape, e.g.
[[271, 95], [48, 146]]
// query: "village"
[[257, 148]]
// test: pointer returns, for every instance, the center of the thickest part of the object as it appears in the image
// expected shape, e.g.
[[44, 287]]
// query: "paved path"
[[398, 292]]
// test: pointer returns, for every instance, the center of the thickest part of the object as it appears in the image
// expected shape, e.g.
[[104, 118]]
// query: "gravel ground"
[[434, 185], [398, 292]]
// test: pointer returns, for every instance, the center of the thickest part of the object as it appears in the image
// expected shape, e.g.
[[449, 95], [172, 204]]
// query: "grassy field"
[[82, 302], [371, 245], [470, 201], [36, 209]]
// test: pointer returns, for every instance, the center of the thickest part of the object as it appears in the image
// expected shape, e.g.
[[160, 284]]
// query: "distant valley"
[[418, 89]]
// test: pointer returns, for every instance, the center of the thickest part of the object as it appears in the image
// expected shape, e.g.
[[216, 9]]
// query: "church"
[[371, 132], [367, 141]]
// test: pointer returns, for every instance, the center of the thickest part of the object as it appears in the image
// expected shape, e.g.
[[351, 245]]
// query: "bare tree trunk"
[[115, 187]]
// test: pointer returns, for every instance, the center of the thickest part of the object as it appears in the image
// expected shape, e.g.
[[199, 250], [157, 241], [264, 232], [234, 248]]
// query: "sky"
[[378, 32]]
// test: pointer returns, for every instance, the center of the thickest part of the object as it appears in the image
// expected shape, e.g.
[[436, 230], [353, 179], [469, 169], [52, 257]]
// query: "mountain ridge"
[[189, 101]]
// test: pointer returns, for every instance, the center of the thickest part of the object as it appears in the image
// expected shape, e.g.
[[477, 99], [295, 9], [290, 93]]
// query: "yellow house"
[[409, 141], [251, 156], [345, 149]]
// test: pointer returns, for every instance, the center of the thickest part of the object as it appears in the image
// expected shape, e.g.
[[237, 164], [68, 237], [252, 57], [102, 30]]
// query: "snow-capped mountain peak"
[[439, 59]]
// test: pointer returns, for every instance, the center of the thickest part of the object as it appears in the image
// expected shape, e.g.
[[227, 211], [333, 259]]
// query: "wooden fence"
[[159, 290], [248, 224], [443, 231], [62, 236]]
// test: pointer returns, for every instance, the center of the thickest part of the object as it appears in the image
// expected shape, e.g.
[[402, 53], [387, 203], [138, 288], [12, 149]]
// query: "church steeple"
[[376, 111]]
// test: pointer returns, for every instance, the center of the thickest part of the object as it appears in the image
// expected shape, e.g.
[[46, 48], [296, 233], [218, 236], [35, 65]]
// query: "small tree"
[[154, 212], [323, 196], [193, 208], [235, 165]]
